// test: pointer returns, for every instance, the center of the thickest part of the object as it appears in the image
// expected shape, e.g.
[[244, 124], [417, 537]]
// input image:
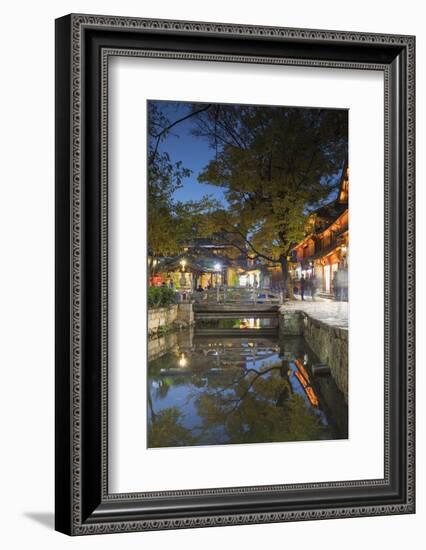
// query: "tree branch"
[[170, 126], [258, 254], [251, 384]]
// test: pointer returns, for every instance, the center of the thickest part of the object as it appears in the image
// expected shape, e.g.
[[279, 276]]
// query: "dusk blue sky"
[[194, 152]]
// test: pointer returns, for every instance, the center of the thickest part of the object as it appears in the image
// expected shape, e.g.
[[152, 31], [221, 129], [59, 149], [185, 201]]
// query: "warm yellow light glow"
[[250, 323], [183, 361]]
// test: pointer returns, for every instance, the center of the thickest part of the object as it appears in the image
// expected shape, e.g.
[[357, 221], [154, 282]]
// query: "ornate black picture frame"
[[84, 44]]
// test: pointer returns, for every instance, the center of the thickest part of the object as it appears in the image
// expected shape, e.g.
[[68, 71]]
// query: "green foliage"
[[259, 407], [165, 430], [256, 407], [221, 324], [275, 164], [169, 221], [160, 296]]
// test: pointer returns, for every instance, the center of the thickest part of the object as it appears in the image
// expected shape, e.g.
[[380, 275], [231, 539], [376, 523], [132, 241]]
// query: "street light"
[[183, 264], [217, 267], [183, 360]]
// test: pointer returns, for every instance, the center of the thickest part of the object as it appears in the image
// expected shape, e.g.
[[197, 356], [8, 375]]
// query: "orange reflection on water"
[[302, 369], [313, 399]]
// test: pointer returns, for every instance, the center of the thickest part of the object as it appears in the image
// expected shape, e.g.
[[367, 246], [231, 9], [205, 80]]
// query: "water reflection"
[[240, 323], [210, 390]]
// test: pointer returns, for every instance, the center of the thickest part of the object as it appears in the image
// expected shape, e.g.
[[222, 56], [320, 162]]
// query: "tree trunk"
[[284, 273], [287, 289]]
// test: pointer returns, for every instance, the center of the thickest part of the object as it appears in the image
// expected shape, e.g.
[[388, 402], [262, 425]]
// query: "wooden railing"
[[234, 295]]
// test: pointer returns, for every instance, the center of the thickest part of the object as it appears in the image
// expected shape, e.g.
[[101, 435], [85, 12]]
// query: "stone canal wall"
[[328, 342], [161, 345], [161, 318], [291, 322], [164, 319]]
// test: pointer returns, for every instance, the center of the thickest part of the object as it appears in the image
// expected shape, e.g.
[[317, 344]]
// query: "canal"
[[231, 381]]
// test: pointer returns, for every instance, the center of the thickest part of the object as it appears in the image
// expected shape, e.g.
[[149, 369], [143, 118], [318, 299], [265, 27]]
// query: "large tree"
[[275, 164], [169, 221]]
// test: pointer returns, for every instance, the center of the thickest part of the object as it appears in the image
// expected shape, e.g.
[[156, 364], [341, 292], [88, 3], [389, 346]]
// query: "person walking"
[[302, 287], [344, 284], [314, 286], [336, 286]]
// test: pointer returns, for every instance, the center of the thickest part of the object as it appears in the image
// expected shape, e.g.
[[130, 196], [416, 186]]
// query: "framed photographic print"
[[234, 274]]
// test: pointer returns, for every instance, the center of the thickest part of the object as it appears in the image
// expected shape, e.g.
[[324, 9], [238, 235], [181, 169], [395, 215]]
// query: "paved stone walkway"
[[330, 312]]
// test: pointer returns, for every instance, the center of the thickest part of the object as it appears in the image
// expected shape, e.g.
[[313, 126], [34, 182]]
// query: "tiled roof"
[[200, 263]]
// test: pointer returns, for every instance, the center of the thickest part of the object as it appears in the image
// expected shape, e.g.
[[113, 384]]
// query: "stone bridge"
[[206, 310]]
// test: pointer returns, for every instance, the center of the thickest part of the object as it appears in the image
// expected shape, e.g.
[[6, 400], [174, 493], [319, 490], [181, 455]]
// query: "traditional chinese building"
[[209, 262], [187, 272], [324, 250], [205, 262], [215, 257]]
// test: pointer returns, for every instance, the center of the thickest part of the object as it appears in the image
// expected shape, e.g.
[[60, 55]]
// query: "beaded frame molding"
[[84, 44]]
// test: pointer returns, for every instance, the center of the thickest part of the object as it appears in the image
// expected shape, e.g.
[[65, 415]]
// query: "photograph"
[[225, 355], [247, 273]]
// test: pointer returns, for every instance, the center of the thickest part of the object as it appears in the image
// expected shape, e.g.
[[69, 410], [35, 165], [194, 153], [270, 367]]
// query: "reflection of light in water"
[[302, 369], [217, 372], [308, 389], [250, 323]]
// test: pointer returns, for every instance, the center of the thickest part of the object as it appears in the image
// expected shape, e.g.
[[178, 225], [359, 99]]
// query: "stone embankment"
[[324, 326], [165, 319]]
